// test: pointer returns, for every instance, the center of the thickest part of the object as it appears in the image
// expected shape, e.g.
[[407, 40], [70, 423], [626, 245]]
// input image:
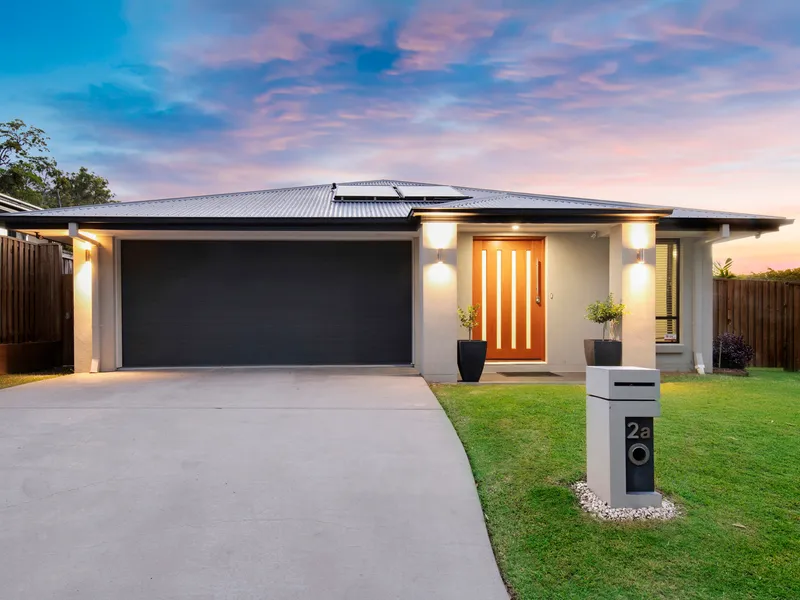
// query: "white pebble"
[[591, 503]]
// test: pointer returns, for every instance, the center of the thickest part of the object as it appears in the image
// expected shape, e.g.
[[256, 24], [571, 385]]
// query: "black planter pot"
[[603, 353], [471, 359]]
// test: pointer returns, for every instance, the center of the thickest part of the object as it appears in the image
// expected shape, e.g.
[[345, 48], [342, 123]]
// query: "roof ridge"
[[514, 193]]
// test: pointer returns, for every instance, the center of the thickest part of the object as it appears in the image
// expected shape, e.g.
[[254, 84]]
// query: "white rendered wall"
[[438, 295], [634, 284]]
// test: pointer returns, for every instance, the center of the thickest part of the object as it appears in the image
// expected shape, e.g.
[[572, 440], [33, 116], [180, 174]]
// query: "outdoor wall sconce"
[[88, 255], [515, 227], [640, 256], [439, 258]]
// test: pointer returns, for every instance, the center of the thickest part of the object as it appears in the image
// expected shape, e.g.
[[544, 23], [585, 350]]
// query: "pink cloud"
[[282, 37], [443, 36]]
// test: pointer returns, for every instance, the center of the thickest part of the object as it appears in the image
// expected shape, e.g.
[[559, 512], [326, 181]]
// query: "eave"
[[25, 222], [534, 215], [761, 224]]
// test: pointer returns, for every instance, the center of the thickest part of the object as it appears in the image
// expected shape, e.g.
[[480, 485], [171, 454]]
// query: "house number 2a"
[[635, 432]]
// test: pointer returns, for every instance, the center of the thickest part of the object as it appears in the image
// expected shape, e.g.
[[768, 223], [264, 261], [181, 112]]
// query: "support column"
[[634, 284], [85, 314], [703, 304], [438, 301], [107, 287]]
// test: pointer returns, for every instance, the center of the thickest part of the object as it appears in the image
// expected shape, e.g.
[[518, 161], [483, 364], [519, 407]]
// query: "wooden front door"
[[508, 283]]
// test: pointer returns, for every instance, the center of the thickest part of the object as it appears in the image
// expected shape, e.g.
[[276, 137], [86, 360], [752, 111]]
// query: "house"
[[9, 204], [371, 272]]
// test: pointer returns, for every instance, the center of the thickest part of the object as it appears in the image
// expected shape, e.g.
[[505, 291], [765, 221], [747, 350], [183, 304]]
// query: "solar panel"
[[365, 192], [429, 192]]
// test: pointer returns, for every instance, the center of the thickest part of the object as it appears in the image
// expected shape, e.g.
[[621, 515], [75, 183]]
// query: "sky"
[[680, 103]]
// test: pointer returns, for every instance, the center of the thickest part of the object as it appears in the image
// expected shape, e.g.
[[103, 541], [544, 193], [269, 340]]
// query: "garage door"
[[265, 303]]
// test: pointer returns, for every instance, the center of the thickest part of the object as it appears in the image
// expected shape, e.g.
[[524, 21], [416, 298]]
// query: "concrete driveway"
[[237, 483]]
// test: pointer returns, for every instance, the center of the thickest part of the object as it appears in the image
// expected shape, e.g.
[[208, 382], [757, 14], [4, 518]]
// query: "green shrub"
[[469, 317], [606, 313]]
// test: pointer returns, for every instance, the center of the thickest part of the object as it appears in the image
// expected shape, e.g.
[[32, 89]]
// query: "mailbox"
[[621, 403]]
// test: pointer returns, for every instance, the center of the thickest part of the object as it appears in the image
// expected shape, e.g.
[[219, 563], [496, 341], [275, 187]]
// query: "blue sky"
[[683, 103]]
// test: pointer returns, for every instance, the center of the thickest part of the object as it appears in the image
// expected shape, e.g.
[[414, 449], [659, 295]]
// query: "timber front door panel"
[[508, 283]]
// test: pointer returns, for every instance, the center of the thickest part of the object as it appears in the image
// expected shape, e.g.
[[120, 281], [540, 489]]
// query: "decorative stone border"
[[592, 504]]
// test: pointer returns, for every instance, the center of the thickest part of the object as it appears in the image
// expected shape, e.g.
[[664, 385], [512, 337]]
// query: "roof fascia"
[[31, 221], [506, 215], [712, 224]]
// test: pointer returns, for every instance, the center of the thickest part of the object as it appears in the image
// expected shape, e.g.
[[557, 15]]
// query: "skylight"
[[365, 192], [429, 192]]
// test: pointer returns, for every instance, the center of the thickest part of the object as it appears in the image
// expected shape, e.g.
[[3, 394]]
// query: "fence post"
[[791, 320]]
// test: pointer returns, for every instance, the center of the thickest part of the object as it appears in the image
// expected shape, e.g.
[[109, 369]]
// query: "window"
[[668, 291]]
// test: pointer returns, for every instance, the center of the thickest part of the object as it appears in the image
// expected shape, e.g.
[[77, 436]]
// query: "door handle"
[[538, 282]]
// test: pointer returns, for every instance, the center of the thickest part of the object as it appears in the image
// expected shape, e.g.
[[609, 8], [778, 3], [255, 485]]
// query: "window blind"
[[668, 291]]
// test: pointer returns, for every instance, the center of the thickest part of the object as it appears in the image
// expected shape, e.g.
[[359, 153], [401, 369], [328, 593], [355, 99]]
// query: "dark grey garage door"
[[265, 303]]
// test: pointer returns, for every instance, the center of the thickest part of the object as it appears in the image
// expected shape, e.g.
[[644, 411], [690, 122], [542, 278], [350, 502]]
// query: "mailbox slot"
[[623, 383]]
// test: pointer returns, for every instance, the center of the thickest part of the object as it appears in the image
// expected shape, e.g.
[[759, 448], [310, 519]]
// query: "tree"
[[76, 189], [22, 144], [26, 173]]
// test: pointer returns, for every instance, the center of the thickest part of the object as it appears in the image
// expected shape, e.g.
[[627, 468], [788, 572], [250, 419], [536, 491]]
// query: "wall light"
[[640, 256], [439, 258], [515, 227], [638, 235], [88, 255]]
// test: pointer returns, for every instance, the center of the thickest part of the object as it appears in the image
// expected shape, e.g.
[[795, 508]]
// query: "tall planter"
[[471, 357], [603, 353]]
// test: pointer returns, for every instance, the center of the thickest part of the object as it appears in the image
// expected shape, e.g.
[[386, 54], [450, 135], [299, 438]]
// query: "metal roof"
[[316, 202], [696, 213], [10, 204]]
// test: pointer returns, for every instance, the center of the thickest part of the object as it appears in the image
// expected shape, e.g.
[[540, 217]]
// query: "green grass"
[[727, 451], [7, 381]]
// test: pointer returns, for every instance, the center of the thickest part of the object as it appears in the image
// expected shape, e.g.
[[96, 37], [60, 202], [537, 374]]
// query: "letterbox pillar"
[[621, 403]]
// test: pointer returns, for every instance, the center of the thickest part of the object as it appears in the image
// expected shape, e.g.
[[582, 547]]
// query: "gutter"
[[28, 221]]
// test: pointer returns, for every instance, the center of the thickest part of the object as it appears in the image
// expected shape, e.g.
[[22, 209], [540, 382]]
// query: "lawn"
[[7, 381], [727, 451]]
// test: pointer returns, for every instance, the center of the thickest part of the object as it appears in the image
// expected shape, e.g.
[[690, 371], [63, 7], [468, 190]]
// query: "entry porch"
[[533, 283]]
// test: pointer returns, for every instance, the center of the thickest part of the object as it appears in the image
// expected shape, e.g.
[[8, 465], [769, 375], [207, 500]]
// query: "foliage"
[[27, 174], [732, 352], [469, 317], [727, 452], [723, 270], [22, 144], [605, 312], [773, 275], [76, 189]]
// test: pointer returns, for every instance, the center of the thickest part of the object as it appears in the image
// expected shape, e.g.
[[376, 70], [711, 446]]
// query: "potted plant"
[[471, 353], [608, 351]]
